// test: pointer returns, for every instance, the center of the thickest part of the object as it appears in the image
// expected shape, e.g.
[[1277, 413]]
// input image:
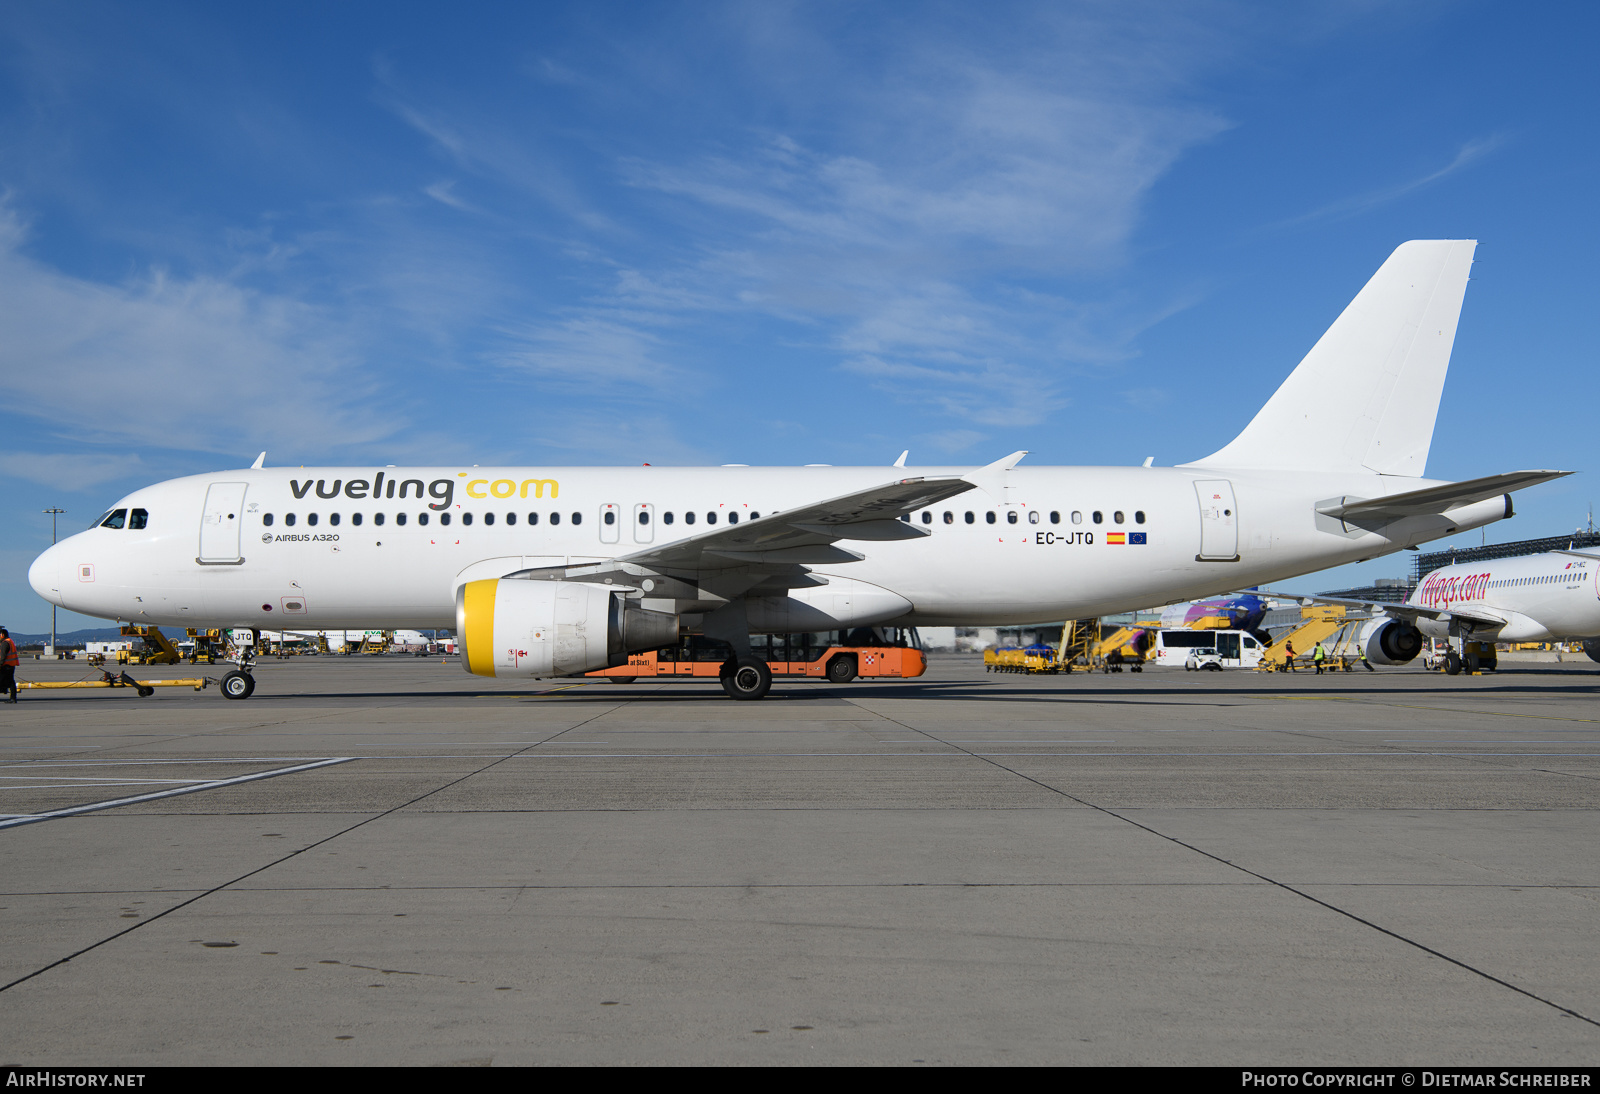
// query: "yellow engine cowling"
[[531, 629]]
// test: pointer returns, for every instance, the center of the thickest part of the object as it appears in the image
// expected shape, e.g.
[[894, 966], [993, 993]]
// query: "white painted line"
[[30, 818]]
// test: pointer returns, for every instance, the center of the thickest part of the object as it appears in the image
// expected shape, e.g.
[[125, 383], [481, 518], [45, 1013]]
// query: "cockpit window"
[[115, 519], [138, 519]]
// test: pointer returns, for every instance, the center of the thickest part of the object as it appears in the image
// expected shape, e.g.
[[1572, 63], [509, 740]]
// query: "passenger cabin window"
[[266, 520], [688, 518], [1077, 517], [667, 517], [555, 518], [488, 518], [533, 518], [711, 518], [377, 518], [644, 516], [577, 518], [466, 518], [610, 518], [288, 520], [400, 518], [1117, 516], [927, 516], [138, 519], [311, 519], [989, 516], [1055, 517], [1099, 517], [1033, 517], [115, 519], [333, 519], [355, 518], [511, 518], [1138, 516], [949, 517], [733, 518], [1011, 517], [970, 518]]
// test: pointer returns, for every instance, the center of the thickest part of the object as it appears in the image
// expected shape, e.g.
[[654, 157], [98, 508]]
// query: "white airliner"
[[1550, 597], [558, 571]]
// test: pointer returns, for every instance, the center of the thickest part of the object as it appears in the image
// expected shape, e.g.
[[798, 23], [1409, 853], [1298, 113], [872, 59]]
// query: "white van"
[[1235, 649]]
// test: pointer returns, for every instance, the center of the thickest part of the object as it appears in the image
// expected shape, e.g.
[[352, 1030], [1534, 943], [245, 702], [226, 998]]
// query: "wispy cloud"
[[1469, 153], [930, 219], [71, 471], [197, 363]]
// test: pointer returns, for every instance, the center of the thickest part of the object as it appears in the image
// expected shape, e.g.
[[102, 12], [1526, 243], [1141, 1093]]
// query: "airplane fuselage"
[[388, 547], [1541, 598]]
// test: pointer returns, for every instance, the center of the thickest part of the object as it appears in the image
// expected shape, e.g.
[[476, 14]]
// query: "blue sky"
[[765, 233]]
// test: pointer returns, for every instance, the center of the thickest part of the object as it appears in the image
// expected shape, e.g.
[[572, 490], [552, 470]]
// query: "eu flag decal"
[[1137, 537]]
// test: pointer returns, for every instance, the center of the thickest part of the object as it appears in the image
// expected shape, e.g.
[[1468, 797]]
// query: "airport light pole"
[[53, 514]]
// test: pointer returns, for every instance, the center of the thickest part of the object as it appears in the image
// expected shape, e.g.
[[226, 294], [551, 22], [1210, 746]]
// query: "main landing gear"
[[746, 678]]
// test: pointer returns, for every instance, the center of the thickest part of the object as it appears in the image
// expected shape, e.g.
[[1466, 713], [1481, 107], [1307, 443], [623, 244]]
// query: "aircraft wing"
[[1409, 612], [805, 536], [1437, 499]]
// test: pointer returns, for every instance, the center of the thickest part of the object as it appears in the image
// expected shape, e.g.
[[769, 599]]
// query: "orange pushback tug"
[[815, 655]]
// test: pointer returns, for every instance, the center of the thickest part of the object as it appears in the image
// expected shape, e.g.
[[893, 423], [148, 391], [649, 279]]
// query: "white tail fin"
[[1367, 394]]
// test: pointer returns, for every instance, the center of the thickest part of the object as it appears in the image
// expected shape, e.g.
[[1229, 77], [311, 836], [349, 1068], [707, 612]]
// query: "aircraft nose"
[[45, 575]]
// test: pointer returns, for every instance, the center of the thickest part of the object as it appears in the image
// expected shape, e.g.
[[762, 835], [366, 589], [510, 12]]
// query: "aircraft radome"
[[557, 571]]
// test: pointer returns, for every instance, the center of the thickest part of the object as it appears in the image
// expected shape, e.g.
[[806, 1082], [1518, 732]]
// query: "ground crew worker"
[[1318, 656], [1288, 656], [1361, 651], [8, 665]]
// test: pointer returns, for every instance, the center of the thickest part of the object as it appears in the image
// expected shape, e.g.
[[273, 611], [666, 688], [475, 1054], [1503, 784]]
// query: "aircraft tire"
[[238, 685], [842, 669], [747, 678], [622, 679], [1452, 664]]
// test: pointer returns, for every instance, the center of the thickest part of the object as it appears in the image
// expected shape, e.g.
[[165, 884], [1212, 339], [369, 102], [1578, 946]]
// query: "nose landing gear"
[[239, 684]]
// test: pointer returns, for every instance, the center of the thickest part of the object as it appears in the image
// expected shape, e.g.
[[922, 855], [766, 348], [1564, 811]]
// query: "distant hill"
[[68, 638]]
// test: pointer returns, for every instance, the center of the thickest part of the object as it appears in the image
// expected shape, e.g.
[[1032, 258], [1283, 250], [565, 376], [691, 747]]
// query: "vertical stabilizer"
[[1367, 394]]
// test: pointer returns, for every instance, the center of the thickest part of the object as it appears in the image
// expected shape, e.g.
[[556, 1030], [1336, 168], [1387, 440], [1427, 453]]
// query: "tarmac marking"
[[16, 819], [1285, 886], [282, 858]]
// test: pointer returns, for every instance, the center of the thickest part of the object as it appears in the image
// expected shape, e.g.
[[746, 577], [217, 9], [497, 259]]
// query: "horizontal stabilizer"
[[1437, 499]]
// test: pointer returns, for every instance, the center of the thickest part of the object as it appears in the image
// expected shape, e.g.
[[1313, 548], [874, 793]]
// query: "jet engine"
[[532, 629], [1390, 641]]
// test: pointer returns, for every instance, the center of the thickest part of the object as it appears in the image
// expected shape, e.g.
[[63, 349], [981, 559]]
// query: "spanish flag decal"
[[1116, 537]]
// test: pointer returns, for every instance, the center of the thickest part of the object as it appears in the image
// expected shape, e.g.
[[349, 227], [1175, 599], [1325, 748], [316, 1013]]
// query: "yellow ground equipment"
[[1077, 635], [208, 646], [1130, 642], [158, 648], [1033, 659], [1319, 621], [145, 688]]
